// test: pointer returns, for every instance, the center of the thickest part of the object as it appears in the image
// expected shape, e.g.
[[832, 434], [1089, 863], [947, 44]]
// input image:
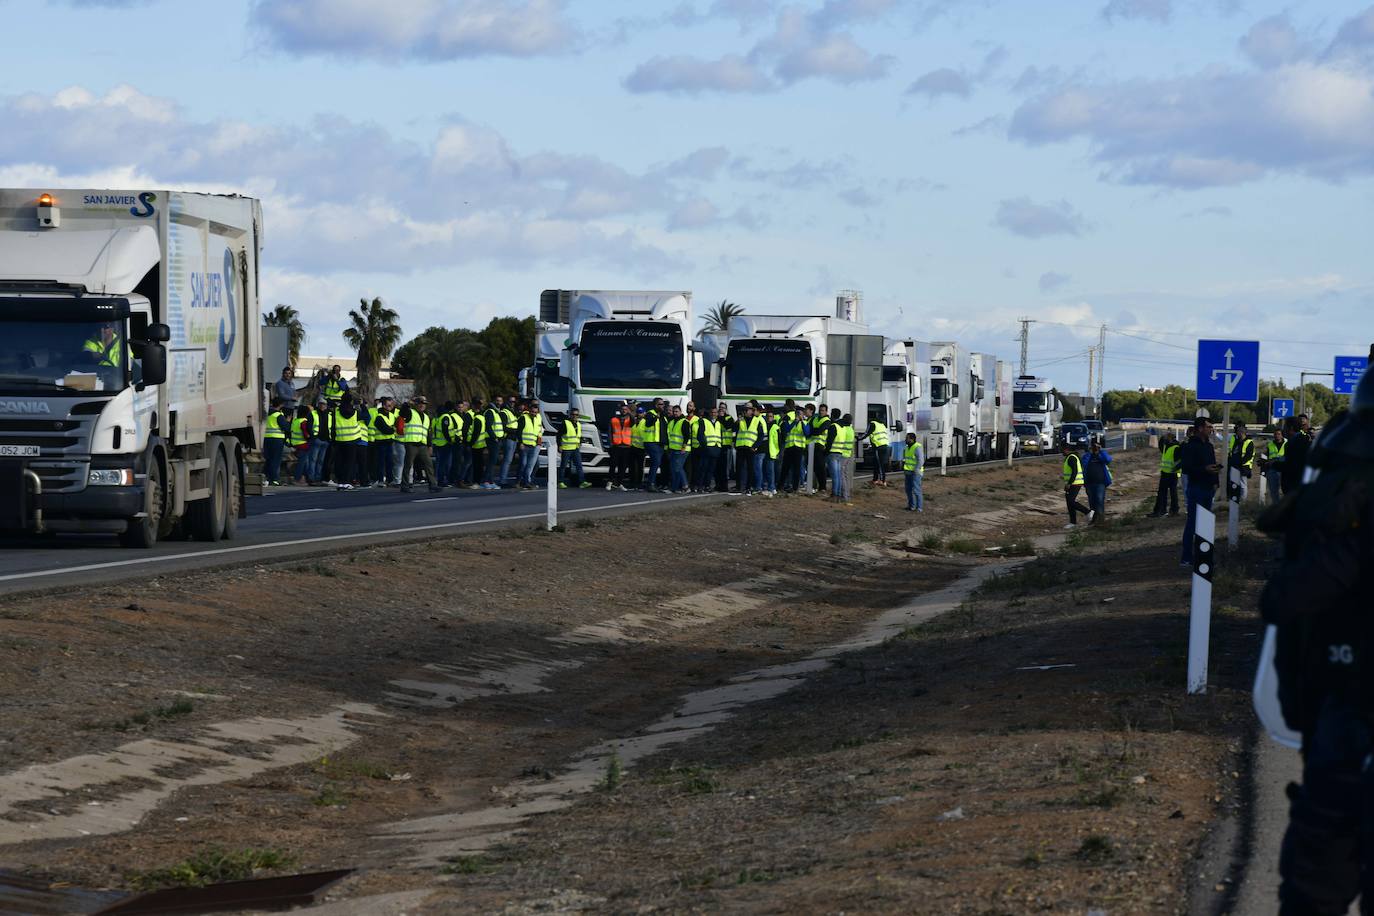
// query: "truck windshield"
[[768, 367], [65, 356], [631, 355], [939, 392], [553, 388], [1030, 401]]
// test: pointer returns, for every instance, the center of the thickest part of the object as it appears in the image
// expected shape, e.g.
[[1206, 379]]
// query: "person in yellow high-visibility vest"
[[570, 450], [913, 469], [415, 437], [1166, 497], [1073, 483]]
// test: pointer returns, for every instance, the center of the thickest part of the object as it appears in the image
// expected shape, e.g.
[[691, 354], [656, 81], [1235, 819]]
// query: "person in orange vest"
[[622, 435]]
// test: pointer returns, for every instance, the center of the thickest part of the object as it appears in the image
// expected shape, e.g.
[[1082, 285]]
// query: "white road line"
[[143, 561], [435, 499], [292, 511]]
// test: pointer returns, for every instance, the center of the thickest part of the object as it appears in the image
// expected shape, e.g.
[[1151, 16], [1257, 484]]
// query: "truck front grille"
[[61, 476]]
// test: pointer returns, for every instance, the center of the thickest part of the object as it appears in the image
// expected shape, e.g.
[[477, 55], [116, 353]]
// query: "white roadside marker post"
[[1200, 616], [551, 446]]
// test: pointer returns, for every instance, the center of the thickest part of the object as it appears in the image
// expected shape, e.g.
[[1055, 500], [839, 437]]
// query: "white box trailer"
[[130, 379], [950, 421]]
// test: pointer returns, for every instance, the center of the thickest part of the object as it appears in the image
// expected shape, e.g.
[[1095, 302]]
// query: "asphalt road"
[[293, 522], [290, 522]]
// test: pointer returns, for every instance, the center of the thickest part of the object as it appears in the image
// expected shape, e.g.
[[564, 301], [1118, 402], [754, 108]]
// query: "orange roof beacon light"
[[49, 216]]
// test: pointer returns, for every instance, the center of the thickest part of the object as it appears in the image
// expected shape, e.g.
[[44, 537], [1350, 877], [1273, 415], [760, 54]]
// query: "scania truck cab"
[[130, 379]]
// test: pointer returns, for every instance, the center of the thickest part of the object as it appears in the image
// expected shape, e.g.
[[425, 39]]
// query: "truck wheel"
[[143, 532], [205, 517], [231, 515]]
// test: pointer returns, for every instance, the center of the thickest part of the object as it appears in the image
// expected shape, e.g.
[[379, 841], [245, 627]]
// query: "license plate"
[[18, 451]]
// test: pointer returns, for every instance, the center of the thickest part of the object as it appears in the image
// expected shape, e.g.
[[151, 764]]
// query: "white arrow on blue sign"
[[1348, 372], [1228, 370], [1282, 409]]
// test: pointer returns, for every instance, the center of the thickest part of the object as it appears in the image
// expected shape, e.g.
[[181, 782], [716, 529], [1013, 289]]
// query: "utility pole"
[[1025, 343], [1092, 356], [1101, 369]]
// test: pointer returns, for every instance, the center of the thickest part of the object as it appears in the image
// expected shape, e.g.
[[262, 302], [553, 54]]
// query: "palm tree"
[[448, 367], [285, 316], [718, 318], [374, 334]]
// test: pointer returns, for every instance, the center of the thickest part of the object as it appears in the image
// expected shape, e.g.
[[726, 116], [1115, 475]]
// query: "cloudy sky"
[[1171, 168]]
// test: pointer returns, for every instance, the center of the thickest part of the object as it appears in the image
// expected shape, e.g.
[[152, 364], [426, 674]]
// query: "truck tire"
[[231, 516], [143, 532], [205, 517]]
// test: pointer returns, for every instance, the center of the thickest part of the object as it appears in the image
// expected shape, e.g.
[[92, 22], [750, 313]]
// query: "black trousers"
[[620, 463], [1168, 492], [818, 467], [1330, 836], [479, 464], [723, 469], [1071, 500], [744, 467], [792, 459], [345, 458], [636, 468]]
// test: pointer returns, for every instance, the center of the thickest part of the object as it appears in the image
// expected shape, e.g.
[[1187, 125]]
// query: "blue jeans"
[[655, 452], [397, 459], [770, 471], [756, 480], [837, 476], [443, 464], [462, 465], [915, 499], [529, 460], [272, 450], [1097, 498], [677, 466], [507, 454], [314, 459], [1196, 496], [571, 458]]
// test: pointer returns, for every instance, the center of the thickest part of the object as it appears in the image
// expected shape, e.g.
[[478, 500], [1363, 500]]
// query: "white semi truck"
[[951, 420], [905, 403], [621, 345], [1034, 401], [130, 379]]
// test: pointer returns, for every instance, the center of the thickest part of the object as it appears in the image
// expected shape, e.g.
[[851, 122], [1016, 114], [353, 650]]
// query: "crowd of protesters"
[[341, 442]]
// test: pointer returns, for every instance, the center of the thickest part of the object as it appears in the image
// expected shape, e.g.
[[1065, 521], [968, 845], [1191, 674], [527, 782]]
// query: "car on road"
[[1028, 436], [1074, 434], [1096, 429]]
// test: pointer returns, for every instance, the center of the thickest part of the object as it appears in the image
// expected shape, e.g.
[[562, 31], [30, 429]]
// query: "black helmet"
[[1362, 404]]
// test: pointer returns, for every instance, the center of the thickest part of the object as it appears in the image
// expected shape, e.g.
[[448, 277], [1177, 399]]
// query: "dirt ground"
[[946, 770]]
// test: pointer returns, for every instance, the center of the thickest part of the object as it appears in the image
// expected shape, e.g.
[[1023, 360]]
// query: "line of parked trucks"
[[595, 349], [132, 365]]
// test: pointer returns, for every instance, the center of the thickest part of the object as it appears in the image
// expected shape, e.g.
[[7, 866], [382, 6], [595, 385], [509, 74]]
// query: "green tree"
[[448, 366], [285, 316], [373, 332], [404, 359], [718, 316], [508, 345]]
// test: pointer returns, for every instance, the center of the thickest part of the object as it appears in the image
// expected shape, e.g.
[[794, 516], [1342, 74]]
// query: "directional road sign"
[[1282, 409], [1348, 372], [1228, 370]]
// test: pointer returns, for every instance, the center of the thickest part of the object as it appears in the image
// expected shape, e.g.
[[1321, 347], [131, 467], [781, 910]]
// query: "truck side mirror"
[[154, 363], [158, 333]]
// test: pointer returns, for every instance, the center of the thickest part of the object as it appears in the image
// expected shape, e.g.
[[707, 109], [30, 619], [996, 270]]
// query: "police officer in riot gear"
[[1319, 599]]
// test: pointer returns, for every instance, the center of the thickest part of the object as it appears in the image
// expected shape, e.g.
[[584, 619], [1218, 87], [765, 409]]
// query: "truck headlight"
[[117, 477]]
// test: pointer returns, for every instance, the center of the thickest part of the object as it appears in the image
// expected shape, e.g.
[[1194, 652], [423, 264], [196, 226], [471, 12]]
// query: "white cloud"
[[1313, 116], [683, 74], [425, 29], [1024, 217], [1272, 42], [1156, 10], [1051, 281], [944, 81]]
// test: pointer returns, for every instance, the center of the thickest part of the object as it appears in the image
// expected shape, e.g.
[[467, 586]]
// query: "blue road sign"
[[1348, 372], [1228, 370], [1283, 408]]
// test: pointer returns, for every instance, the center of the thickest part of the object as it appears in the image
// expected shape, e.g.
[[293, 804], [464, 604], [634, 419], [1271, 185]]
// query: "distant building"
[[1086, 404], [307, 366]]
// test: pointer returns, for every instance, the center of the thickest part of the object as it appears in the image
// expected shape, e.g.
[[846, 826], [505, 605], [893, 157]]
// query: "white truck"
[[1033, 401], [951, 420], [622, 345], [905, 403], [131, 384]]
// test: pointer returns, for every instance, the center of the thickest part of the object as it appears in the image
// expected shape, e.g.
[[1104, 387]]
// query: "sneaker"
[[622, 488], [1070, 525], [583, 485], [610, 486], [1091, 515], [474, 486], [562, 486]]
